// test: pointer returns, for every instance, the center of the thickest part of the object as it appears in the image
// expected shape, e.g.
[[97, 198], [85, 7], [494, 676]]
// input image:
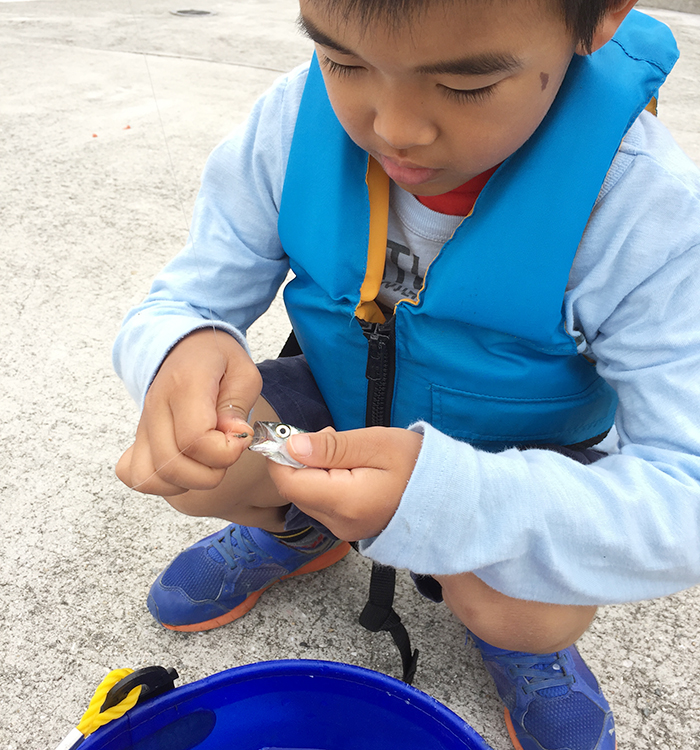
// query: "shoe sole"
[[511, 731], [319, 563]]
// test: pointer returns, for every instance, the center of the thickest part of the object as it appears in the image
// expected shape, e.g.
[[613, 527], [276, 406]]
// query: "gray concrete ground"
[[686, 6], [107, 113]]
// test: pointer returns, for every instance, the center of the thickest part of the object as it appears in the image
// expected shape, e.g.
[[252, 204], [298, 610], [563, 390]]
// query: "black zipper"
[[379, 372], [379, 613]]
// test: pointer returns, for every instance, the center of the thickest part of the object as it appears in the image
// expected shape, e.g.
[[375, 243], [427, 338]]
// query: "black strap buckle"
[[155, 681]]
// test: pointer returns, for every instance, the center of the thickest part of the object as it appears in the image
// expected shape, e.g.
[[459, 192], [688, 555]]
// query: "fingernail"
[[301, 445]]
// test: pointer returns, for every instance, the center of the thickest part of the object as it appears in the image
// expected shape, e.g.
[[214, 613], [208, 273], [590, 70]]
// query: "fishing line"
[[173, 176], [190, 238], [233, 63]]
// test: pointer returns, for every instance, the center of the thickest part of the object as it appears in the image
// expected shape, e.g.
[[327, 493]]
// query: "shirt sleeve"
[[537, 525], [233, 263]]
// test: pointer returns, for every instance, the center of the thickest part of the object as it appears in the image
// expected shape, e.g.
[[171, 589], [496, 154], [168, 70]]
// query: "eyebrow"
[[474, 65], [316, 35]]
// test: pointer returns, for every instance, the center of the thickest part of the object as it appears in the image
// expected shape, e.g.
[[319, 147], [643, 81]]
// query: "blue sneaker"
[[552, 701], [220, 578]]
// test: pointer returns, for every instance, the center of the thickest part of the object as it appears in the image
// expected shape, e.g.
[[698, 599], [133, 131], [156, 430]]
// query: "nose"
[[402, 125]]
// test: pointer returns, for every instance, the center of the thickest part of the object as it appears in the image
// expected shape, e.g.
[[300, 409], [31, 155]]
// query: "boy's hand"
[[199, 400], [360, 478]]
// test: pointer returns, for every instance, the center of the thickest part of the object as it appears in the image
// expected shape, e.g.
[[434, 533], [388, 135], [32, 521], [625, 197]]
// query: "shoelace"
[[538, 673], [233, 546]]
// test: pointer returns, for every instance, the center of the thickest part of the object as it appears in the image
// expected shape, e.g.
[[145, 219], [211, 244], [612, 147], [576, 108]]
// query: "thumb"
[[329, 449], [238, 395], [233, 420]]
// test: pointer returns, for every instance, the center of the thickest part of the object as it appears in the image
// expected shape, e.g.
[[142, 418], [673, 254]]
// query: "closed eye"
[[336, 68], [469, 95]]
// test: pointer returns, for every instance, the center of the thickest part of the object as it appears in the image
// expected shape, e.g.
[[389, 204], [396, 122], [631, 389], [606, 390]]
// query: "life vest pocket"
[[496, 422]]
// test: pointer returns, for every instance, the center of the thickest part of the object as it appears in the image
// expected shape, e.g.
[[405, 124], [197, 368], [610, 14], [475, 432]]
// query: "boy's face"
[[448, 95]]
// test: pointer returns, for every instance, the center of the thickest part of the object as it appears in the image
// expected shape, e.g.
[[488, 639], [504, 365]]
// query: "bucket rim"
[[302, 668]]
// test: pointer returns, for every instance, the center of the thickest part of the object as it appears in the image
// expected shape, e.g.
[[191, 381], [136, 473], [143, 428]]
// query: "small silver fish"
[[270, 439]]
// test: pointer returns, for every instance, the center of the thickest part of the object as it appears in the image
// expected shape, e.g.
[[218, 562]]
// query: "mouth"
[[262, 433], [407, 173]]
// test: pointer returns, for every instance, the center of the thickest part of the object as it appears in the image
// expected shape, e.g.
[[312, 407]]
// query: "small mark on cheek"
[[544, 78]]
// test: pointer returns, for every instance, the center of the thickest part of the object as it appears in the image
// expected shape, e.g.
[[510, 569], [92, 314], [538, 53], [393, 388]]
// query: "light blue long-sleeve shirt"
[[532, 524]]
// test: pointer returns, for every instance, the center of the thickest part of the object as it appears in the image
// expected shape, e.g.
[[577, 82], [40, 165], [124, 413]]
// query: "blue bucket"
[[290, 705]]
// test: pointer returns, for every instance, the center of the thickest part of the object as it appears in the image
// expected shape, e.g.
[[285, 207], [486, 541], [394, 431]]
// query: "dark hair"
[[580, 16], [583, 16]]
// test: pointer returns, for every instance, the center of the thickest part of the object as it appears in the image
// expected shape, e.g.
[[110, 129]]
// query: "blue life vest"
[[483, 354]]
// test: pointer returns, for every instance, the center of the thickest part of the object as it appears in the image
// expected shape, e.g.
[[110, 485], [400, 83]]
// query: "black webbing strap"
[[379, 614]]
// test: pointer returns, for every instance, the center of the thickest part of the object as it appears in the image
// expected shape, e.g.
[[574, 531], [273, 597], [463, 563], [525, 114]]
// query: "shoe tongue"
[[554, 691], [545, 692], [214, 553]]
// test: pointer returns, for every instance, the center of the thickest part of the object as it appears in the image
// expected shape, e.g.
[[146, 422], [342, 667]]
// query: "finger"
[[197, 432], [129, 472], [308, 486], [314, 487], [223, 421], [159, 452], [363, 477], [123, 467], [239, 391], [342, 450], [231, 423], [352, 503], [215, 449]]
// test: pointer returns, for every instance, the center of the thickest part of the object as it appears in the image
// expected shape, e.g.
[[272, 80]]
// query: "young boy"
[[468, 364]]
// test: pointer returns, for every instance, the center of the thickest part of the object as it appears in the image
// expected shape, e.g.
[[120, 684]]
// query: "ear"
[[609, 24]]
